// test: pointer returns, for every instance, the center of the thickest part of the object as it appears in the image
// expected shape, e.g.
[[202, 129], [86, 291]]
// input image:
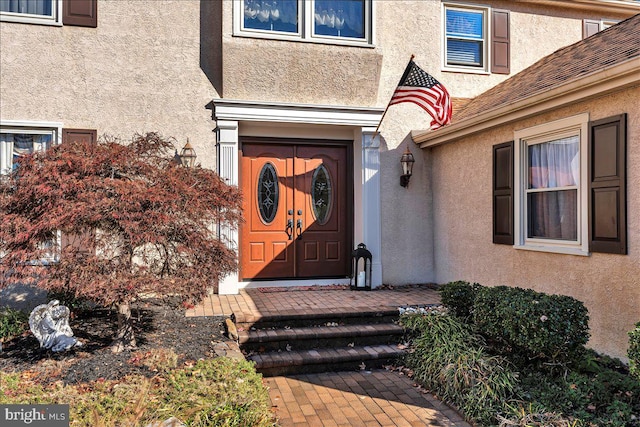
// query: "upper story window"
[[81, 13], [32, 11], [329, 21], [465, 41], [21, 138], [475, 39]]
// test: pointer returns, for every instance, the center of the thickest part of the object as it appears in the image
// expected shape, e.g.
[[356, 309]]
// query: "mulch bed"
[[157, 326]]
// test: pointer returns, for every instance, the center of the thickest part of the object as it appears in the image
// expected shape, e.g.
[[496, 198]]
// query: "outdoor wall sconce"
[[406, 161], [187, 156]]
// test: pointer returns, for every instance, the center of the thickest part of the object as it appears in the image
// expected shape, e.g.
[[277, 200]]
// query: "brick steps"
[[325, 359], [319, 336], [307, 342]]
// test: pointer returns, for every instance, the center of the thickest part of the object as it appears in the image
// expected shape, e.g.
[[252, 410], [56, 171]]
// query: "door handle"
[[289, 229], [299, 228]]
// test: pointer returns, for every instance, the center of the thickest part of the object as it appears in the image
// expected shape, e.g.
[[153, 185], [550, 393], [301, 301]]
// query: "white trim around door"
[[233, 117]]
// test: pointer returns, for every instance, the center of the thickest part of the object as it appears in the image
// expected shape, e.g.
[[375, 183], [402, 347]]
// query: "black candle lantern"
[[360, 278]]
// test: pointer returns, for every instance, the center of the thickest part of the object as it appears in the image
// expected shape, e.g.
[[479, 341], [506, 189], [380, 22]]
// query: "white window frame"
[[570, 126], [486, 22], [30, 127], [27, 18], [305, 28], [33, 127]]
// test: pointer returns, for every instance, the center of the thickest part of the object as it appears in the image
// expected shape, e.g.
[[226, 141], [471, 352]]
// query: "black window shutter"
[[503, 193], [607, 185], [589, 27], [500, 51], [81, 13]]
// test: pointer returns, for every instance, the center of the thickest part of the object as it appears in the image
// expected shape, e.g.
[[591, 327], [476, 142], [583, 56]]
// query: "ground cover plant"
[[175, 371], [547, 376], [131, 221]]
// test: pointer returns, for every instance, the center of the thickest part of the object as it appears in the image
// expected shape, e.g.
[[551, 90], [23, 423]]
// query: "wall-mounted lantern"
[[407, 162], [187, 156]]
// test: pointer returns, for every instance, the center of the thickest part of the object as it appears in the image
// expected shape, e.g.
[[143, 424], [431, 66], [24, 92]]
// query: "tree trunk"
[[124, 337]]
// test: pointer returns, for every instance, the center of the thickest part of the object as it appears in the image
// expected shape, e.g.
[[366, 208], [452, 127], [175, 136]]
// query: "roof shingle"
[[609, 47]]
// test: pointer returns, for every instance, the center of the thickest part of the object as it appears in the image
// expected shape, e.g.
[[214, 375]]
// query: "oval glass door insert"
[[268, 192], [321, 194]]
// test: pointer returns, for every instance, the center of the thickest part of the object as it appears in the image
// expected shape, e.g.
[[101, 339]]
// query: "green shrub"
[[634, 351], [12, 323], [607, 398], [449, 359], [459, 297], [532, 326]]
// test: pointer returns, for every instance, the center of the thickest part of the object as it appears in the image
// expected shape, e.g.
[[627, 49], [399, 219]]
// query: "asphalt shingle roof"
[[609, 47]]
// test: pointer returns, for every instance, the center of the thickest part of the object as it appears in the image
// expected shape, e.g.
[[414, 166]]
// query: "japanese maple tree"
[[112, 222]]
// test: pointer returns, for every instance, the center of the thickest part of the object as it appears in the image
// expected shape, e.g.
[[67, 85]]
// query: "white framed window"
[[550, 186], [18, 138], [347, 22], [47, 12], [466, 38]]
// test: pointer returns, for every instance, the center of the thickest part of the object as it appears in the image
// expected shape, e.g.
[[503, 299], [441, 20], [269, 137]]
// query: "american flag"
[[419, 87]]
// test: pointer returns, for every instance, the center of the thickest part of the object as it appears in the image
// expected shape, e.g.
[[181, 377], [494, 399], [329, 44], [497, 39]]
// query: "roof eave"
[[609, 6], [604, 81]]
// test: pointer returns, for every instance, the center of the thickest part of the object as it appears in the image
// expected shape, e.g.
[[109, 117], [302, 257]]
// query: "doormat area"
[[268, 290]]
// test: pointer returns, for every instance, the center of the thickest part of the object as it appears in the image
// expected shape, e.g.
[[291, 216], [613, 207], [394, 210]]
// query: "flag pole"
[[385, 110]]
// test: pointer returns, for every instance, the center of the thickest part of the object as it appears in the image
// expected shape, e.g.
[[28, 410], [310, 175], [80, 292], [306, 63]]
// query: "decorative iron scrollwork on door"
[[268, 193], [321, 194]]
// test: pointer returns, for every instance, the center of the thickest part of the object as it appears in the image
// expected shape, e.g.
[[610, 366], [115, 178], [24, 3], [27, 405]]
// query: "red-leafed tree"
[[111, 222]]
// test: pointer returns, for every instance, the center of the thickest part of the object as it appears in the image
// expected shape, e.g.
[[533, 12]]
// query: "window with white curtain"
[[18, 139], [465, 37], [333, 21], [32, 11], [550, 186]]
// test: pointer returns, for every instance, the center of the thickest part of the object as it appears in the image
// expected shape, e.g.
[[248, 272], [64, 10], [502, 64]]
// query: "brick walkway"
[[356, 399], [353, 398]]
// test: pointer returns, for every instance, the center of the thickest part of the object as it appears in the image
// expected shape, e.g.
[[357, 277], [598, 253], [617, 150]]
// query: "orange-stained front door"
[[298, 209]]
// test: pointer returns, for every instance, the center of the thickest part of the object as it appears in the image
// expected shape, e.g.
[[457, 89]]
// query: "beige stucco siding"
[[609, 285], [138, 71]]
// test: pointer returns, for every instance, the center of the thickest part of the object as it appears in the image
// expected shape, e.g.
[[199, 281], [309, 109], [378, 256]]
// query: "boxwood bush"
[[459, 297], [634, 351], [532, 326]]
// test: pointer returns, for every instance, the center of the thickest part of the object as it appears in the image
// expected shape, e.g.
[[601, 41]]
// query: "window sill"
[[465, 71], [316, 40], [30, 20], [553, 249]]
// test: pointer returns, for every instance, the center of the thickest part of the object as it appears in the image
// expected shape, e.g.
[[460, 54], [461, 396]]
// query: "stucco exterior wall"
[[155, 65], [609, 285], [138, 71], [314, 73]]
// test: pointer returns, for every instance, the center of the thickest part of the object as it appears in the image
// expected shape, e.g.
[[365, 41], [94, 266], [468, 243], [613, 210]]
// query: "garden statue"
[[50, 325]]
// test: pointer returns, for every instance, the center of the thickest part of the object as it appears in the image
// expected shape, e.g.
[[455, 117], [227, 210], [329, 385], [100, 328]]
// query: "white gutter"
[[607, 6], [599, 83]]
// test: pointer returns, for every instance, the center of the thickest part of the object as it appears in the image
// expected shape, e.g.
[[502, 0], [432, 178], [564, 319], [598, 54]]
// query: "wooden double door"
[[298, 209]]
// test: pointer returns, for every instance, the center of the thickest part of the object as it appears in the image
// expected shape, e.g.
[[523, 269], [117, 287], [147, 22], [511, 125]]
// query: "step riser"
[[325, 367], [328, 342], [316, 320]]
